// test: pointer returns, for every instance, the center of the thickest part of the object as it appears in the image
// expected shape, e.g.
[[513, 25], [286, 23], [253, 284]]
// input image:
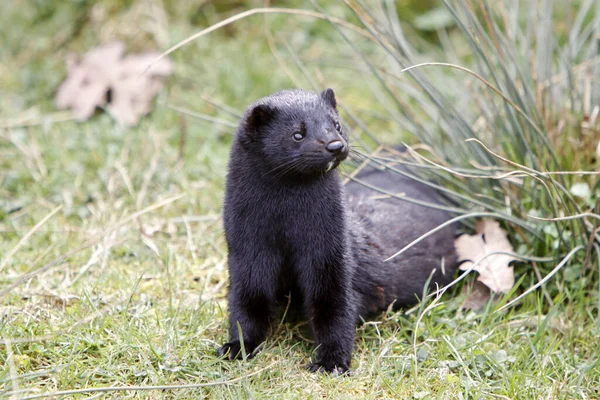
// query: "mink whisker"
[[285, 164]]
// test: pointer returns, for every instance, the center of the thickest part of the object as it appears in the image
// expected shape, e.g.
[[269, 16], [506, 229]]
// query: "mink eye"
[[298, 136], [338, 127]]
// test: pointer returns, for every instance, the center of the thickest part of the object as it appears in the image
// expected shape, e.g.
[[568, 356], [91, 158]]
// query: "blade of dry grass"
[[24, 239]]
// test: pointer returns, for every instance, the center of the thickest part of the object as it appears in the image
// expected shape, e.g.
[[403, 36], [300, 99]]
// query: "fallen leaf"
[[104, 70], [494, 271], [88, 80], [477, 296]]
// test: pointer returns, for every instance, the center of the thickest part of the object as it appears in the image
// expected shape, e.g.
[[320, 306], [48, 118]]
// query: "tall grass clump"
[[506, 115]]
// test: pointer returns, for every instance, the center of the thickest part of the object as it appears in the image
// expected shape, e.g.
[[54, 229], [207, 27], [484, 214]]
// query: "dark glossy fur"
[[291, 227]]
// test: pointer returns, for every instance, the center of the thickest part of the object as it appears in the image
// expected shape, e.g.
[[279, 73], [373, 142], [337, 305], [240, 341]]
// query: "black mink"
[[293, 228]]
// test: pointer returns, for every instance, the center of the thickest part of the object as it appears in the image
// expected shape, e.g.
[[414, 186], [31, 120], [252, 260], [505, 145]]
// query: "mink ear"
[[259, 117], [329, 97]]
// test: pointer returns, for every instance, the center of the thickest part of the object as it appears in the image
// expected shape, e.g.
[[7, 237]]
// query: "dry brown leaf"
[[478, 295], [494, 271], [103, 70], [88, 80]]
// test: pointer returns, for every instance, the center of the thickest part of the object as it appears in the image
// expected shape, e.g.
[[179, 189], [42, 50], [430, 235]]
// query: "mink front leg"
[[251, 302], [331, 311]]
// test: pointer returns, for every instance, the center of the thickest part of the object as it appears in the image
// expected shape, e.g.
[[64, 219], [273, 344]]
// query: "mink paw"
[[333, 369], [233, 351]]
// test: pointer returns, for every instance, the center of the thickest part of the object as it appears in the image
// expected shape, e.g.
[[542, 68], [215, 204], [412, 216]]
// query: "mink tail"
[[381, 225]]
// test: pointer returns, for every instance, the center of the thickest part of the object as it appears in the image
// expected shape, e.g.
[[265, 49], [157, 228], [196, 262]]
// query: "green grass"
[[125, 284]]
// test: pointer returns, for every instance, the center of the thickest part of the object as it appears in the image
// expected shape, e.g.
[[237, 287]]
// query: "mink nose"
[[335, 146]]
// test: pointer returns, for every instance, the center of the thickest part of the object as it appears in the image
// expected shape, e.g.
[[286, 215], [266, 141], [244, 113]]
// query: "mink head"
[[295, 132]]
